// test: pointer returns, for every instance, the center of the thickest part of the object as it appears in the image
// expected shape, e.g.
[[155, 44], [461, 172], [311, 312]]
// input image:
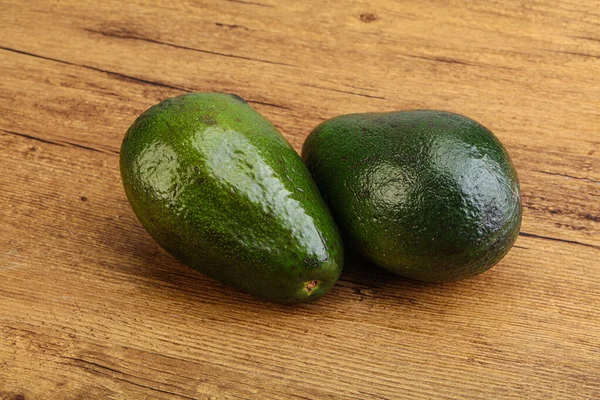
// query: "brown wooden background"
[[92, 308]]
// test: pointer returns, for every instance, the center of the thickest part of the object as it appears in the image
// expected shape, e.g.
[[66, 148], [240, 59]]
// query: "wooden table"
[[92, 308]]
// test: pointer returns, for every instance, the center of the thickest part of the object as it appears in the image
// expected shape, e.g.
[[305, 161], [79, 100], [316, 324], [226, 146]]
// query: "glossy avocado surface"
[[429, 195], [218, 187]]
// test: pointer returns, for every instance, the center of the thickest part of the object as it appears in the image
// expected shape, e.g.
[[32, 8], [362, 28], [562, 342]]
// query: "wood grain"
[[92, 308]]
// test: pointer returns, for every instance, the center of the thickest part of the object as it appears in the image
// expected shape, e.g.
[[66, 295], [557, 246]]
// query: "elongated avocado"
[[428, 195], [218, 187]]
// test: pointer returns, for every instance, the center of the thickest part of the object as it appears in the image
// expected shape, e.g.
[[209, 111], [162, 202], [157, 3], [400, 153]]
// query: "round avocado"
[[218, 187], [429, 195]]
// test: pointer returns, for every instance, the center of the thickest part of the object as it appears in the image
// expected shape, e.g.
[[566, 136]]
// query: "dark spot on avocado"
[[238, 98], [210, 120], [590, 217], [19, 397], [83, 198], [368, 17], [311, 285]]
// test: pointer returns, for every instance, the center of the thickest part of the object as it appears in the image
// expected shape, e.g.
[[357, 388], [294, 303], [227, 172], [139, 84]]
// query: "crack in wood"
[[231, 26], [564, 212], [181, 47], [532, 235], [343, 91], [114, 74], [252, 3], [585, 38], [265, 103], [454, 61], [91, 148], [58, 143], [31, 137], [567, 176], [574, 53], [128, 78]]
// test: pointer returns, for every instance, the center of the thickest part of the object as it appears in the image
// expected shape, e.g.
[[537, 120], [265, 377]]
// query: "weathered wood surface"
[[91, 307]]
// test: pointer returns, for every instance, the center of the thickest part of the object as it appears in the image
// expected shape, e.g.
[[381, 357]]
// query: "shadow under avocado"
[[367, 279]]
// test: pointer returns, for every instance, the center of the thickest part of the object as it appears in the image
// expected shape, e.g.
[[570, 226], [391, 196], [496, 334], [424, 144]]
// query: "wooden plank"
[[91, 307]]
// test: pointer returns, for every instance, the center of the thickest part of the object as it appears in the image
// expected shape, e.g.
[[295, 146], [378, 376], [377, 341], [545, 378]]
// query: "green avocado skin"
[[429, 195], [218, 187]]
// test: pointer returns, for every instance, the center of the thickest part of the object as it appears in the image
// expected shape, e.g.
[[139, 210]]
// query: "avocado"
[[429, 195], [217, 186]]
